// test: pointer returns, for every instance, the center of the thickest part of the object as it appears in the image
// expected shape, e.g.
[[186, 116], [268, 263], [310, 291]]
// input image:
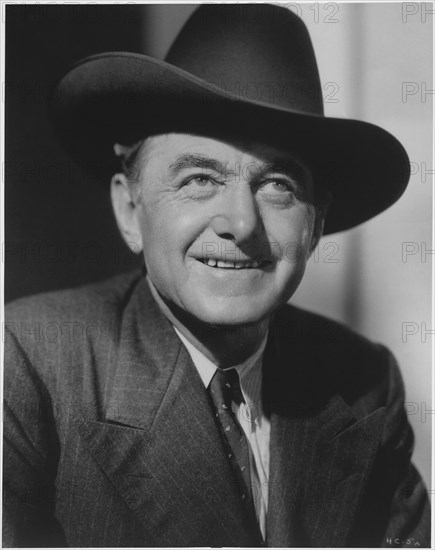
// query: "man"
[[188, 405]]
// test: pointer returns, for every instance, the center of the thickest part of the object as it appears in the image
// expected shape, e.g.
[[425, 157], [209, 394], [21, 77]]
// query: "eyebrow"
[[186, 161], [290, 167]]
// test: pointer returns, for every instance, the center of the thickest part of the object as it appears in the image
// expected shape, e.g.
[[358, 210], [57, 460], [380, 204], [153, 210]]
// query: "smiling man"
[[226, 230], [201, 409]]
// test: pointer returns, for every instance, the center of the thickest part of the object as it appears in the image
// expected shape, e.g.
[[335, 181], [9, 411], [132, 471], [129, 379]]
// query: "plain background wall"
[[366, 52], [59, 227]]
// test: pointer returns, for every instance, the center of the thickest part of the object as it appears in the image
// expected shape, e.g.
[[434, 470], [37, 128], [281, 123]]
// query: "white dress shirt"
[[250, 416]]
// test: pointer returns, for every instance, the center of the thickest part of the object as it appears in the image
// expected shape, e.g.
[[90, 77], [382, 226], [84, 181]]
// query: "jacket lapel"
[[160, 447], [159, 444], [321, 455]]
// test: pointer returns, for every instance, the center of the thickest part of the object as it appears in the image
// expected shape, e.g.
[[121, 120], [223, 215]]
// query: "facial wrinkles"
[[234, 174], [239, 168]]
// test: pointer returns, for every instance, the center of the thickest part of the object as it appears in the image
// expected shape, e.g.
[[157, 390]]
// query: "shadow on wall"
[[59, 226]]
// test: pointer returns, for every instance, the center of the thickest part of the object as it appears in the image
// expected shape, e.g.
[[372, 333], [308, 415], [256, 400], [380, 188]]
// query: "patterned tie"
[[225, 390]]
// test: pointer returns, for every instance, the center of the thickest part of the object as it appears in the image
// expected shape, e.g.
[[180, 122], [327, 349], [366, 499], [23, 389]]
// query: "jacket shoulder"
[[308, 327], [100, 300], [363, 372], [55, 339]]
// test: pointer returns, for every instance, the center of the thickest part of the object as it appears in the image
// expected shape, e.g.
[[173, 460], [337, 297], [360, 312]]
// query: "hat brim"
[[121, 97]]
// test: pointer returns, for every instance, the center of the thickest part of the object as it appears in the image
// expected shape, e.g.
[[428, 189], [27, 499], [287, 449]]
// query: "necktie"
[[225, 390]]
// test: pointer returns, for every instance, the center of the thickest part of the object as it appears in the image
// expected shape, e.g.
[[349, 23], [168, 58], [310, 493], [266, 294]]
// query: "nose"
[[238, 218]]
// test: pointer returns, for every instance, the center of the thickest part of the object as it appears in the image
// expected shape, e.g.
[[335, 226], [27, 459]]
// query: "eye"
[[200, 180], [199, 186], [277, 186]]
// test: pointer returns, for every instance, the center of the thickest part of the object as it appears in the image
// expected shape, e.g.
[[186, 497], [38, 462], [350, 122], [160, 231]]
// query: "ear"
[[317, 229], [319, 222], [126, 209]]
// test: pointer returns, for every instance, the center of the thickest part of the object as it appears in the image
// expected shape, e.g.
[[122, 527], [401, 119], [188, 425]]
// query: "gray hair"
[[129, 156]]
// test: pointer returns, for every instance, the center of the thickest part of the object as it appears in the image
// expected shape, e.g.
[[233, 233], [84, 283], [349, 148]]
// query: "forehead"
[[160, 152]]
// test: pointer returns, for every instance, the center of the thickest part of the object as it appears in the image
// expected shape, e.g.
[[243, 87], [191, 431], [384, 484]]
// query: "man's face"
[[226, 228]]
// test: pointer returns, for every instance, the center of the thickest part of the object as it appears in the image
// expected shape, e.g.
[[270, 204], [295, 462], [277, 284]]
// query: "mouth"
[[228, 264]]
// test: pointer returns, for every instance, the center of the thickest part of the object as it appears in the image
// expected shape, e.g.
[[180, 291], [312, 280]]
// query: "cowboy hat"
[[245, 69]]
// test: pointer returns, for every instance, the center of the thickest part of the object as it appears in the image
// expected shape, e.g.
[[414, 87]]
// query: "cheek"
[[293, 230], [169, 230]]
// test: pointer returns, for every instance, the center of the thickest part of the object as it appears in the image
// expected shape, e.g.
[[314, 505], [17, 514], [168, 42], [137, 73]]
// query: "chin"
[[232, 312]]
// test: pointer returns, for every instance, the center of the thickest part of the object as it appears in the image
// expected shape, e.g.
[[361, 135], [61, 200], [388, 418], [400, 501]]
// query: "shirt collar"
[[250, 371], [207, 368], [250, 374]]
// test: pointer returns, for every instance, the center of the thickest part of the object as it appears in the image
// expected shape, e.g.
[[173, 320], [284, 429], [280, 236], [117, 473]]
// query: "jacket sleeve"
[[30, 454], [408, 509]]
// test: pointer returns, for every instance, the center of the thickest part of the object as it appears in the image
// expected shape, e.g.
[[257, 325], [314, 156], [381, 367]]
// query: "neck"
[[225, 346]]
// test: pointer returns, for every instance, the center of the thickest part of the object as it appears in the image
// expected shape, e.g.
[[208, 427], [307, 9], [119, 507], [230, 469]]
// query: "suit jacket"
[[110, 438]]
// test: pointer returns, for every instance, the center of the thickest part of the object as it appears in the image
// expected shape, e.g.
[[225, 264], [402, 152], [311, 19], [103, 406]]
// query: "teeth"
[[221, 263], [231, 265]]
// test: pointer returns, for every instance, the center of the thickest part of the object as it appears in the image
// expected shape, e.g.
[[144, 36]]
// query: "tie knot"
[[225, 387]]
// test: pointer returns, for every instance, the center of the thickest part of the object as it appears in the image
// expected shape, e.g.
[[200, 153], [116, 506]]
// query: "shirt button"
[[227, 429]]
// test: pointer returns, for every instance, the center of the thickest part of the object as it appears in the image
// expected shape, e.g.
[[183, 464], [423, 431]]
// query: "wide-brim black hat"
[[245, 70]]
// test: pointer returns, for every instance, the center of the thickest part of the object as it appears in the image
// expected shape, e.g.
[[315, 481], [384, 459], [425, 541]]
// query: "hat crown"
[[258, 52], [266, 86]]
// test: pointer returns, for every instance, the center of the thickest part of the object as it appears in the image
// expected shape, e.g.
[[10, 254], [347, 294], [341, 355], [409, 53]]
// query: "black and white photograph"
[[217, 274]]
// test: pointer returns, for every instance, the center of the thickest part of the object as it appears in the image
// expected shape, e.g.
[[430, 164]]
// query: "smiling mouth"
[[227, 264]]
